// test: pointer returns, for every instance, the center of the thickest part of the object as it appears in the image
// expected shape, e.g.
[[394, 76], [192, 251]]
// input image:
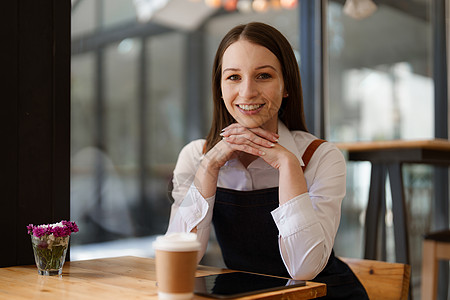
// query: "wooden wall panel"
[[8, 131], [36, 175]]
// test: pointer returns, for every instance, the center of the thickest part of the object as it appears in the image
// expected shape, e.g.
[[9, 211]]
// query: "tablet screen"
[[236, 284]]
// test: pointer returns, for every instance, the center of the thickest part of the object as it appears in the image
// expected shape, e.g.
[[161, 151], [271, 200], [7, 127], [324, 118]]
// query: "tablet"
[[237, 284]]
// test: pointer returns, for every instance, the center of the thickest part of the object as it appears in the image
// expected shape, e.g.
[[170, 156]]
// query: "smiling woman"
[[271, 190], [276, 57]]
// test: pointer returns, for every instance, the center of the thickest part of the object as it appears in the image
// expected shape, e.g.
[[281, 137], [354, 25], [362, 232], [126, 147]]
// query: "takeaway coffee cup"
[[176, 263]]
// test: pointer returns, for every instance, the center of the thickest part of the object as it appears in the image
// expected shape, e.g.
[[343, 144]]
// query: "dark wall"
[[34, 121]]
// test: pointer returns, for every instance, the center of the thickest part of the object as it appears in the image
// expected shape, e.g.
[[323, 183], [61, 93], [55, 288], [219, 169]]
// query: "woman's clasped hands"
[[238, 140]]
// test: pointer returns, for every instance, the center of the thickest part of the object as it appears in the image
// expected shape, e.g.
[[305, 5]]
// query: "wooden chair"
[[382, 280], [436, 246]]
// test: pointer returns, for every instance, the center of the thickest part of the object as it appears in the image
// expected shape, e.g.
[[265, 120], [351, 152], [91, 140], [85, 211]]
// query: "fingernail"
[[262, 153], [272, 145], [276, 140], [222, 133]]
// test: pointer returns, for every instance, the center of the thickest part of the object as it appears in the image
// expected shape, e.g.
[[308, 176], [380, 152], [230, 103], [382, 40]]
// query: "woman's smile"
[[250, 109]]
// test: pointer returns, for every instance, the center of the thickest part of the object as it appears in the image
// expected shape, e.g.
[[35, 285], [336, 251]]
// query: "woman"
[[275, 205]]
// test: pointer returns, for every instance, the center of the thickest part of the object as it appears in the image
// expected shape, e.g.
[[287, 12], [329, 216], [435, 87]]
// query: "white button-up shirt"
[[307, 224]]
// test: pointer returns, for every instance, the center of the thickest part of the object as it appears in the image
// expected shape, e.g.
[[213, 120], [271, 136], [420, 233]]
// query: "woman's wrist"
[[206, 177], [292, 180], [210, 163], [289, 161]]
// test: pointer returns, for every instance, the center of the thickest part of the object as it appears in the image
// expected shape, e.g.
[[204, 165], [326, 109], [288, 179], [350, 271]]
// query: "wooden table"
[[387, 157], [113, 278]]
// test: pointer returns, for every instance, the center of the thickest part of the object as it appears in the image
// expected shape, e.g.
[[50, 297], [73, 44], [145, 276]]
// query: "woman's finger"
[[220, 153], [271, 136], [236, 129], [245, 148], [248, 138]]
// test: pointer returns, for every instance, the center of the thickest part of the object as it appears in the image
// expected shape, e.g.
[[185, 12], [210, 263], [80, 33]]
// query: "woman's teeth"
[[250, 107]]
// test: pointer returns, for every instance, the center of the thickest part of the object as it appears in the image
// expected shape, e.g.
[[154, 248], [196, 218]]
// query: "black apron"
[[248, 238]]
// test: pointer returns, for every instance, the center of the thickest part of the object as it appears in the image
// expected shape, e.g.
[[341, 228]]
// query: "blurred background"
[[141, 90]]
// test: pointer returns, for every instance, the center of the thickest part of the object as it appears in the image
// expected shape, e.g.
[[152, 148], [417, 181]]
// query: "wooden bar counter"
[[113, 278]]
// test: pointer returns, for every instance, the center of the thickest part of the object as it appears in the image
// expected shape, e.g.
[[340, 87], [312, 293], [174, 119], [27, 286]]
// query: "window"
[[140, 92], [380, 86]]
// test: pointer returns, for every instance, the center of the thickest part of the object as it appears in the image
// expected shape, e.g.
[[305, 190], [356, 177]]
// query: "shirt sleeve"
[[190, 209], [308, 223]]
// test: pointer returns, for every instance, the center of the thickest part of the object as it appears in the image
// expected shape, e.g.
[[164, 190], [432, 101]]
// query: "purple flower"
[[70, 225], [61, 229], [39, 231], [30, 228]]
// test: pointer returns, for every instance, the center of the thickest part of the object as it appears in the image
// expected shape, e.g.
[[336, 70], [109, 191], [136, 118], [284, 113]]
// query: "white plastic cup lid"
[[177, 242]]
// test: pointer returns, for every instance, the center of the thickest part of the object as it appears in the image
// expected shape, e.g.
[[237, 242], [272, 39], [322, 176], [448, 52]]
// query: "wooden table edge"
[[432, 144], [318, 290]]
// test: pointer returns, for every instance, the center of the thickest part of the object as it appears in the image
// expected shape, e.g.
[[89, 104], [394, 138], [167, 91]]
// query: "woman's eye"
[[264, 76], [233, 77]]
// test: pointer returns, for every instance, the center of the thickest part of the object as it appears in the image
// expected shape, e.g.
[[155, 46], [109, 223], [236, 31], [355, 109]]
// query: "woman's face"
[[252, 85]]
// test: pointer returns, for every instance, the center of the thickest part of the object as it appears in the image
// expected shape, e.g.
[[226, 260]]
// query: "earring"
[[286, 95]]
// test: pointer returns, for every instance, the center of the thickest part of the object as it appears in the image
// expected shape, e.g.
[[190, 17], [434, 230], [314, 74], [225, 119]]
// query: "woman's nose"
[[248, 89]]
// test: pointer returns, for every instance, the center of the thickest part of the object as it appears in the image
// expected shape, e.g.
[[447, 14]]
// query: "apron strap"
[[310, 151]]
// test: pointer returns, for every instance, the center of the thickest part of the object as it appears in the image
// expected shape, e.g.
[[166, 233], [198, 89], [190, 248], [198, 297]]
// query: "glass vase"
[[50, 253]]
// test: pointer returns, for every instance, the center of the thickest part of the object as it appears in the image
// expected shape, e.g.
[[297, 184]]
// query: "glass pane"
[[117, 12], [165, 120], [166, 111], [380, 87], [82, 93], [83, 17], [380, 76], [83, 118], [121, 139]]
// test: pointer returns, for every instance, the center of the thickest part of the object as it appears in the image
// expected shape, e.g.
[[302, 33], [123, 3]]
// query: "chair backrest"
[[382, 280]]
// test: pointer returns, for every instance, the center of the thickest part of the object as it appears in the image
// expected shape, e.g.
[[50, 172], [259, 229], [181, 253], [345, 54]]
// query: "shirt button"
[[282, 221]]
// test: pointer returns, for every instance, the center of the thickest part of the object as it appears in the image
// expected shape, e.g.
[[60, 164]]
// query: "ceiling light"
[[359, 9]]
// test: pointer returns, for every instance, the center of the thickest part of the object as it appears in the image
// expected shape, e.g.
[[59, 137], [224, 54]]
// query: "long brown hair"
[[291, 110]]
